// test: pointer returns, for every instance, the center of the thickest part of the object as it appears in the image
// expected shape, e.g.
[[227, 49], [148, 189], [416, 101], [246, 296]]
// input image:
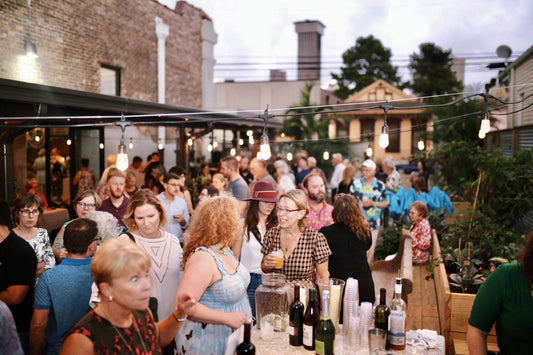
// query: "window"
[[109, 80], [394, 136], [367, 129]]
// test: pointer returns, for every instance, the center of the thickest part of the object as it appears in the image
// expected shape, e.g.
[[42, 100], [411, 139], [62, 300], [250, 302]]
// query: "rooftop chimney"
[[309, 48]]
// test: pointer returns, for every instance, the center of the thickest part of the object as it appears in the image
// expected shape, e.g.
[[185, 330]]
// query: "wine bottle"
[[311, 319], [382, 313], [325, 331], [296, 319], [246, 347], [397, 318]]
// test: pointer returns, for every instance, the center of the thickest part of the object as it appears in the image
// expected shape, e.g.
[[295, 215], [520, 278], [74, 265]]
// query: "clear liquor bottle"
[[397, 318]]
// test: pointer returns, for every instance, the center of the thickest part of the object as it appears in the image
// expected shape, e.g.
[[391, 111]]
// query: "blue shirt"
[[65, 290], [177, 206]]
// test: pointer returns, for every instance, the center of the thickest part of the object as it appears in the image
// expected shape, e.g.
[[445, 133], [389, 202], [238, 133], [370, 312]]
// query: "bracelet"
[[179, 320]]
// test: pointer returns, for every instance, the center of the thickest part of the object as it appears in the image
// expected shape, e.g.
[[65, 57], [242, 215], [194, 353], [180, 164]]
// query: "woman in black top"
[[349, 238]]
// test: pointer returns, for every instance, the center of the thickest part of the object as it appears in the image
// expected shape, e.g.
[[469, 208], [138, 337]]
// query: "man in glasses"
[[117, 202], [62, 293]]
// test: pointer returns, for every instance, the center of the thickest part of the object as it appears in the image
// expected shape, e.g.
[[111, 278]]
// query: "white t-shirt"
[[251, 255]]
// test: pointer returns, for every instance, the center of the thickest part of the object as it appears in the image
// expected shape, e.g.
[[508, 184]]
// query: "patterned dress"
[[226, 295], [139, 338], [42, 248]]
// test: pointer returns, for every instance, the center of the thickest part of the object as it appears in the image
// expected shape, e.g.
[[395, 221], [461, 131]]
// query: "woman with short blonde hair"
[[122, 322]]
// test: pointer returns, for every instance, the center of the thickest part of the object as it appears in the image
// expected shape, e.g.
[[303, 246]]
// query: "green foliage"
[[390, 241], [432, 71], [365, 62], [304, 123]]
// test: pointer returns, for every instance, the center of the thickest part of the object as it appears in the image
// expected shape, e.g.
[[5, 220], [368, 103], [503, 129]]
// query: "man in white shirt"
[[336, 177]]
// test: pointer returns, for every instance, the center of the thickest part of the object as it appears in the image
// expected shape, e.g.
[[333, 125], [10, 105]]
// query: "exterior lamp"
[[265, 147], [369, 151], [384, 136], [325, 156], [421, 145], [232, 152], [122, 156], [485, 123], [130, 146], [189, 142], [289, 156]]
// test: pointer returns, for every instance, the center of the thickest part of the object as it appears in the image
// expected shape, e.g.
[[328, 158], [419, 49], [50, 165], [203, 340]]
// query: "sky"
[[256, 36]]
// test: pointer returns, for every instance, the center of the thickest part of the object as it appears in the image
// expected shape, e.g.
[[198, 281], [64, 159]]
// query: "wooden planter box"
[[454, 308]]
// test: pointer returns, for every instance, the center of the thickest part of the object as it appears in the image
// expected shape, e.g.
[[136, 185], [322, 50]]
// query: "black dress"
[[348, 259]]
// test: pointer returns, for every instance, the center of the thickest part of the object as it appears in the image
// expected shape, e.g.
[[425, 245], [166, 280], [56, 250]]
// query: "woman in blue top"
[[505, 298], [215, 277]]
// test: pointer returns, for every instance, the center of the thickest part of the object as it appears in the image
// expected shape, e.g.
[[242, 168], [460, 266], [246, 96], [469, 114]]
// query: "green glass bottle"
[[325, 331], [382, 313]]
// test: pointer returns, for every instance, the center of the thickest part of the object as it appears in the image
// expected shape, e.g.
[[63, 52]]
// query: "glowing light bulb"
[[481, 134], [251, 139], [189, 142], [265, 148], [241, 141], [325, 155], [232, 151], [210, 148], [215, 144], [160, 146], [122, 158], [130, 146], [249, 133], [69, 142], [37, 138], [101, 146], [421, 145], [289, 156], [384, 137], [369, 151], [485, 125]]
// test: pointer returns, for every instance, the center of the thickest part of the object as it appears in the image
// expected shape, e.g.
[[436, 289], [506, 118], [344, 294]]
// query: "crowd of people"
[[144, 271]]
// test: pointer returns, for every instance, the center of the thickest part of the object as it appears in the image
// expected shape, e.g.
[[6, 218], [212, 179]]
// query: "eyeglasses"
[[86, 205], [285, 210], [26, 213]]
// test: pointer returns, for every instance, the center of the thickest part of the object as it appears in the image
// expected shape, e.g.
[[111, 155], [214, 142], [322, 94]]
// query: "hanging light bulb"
[[485, 123], [210, 147], [384, 137], [241, 141], [69, 142], [369, 150], [481, 134], [249, 133], [289, 156], [282, 135], [265, 147], [189, 142], [101, 146], [251, 140], [421, 145], [325, 155], [37, 138], [232, 152], [130, 146], [122, 157]]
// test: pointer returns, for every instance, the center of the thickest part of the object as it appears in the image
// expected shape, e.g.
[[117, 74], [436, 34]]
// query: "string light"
[[101, 146], [251, 140], [325, 156], [189, 142], [384, 136], [232, 152], [289, 156], [265, 143], [421, 145], [369, 151], [122, 156], [69, 142], [241, 141], [210, 147]]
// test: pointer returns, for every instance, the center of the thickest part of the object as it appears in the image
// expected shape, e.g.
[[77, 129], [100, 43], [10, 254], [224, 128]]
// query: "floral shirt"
[[375, 192], [43, 250], [323, 219], [421, 241]]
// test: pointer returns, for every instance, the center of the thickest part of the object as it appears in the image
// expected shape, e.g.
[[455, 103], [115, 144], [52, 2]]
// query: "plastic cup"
[[336, 288], [279, 259], [377, 339]]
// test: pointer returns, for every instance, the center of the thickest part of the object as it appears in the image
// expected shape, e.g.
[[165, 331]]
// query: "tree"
[[365, 62], [303, 124], [432, 71]]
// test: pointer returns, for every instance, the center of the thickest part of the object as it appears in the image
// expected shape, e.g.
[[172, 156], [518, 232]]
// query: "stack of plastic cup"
[[351, 311], [365, 324]]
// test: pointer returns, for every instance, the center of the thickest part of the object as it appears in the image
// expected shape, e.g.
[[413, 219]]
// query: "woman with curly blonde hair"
[[349, 238], [214, 276]]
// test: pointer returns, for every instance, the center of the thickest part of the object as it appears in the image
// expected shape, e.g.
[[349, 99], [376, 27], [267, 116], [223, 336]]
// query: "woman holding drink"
[[305, 252]]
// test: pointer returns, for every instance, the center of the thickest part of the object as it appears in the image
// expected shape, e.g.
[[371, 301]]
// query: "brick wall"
[[74, 38]]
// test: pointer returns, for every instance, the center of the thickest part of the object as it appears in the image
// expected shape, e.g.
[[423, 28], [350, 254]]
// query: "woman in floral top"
[[420, 232], [26, 214]]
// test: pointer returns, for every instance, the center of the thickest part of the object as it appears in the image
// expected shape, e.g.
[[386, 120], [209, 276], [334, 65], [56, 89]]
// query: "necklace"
[[226, 253], [136, 331]]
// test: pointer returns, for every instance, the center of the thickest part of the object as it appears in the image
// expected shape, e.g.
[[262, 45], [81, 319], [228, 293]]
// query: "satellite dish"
[[504, 51]]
